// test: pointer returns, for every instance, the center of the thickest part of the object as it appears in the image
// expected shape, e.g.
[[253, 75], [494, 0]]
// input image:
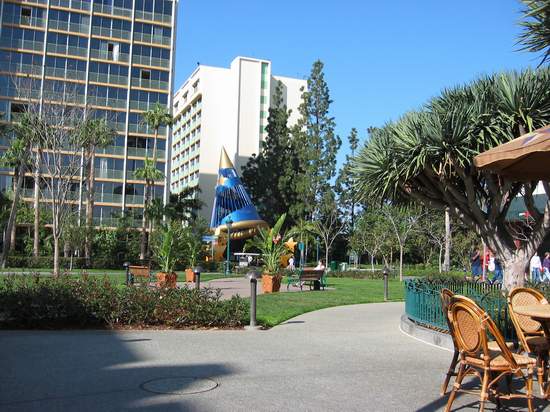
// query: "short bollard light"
[[385, 272], [197, 273], [253, 277], [126, 265]]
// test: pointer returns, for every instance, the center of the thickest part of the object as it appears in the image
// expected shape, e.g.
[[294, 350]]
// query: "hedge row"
[[45, 302]]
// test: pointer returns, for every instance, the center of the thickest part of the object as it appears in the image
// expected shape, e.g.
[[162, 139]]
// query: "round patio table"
[[540, 313]]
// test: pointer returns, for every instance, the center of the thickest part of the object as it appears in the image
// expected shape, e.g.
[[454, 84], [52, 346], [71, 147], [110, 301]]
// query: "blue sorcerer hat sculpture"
[[232, 205]]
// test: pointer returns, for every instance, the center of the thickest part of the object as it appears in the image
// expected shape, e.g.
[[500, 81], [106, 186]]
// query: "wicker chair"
[[471, 327], [446, 296], [529, 331]]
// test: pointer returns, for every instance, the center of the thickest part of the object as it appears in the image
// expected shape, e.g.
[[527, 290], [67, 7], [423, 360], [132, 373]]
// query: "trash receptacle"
[[333, 265], [343, 267]]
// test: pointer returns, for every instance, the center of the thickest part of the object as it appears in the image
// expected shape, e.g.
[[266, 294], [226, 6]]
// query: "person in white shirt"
[[291, 264], [535, 267], [320, 265]]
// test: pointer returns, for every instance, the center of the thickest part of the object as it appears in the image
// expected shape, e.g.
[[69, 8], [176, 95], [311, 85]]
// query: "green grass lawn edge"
[[274, 309]]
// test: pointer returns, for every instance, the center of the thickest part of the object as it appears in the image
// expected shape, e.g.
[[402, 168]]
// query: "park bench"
[[141, 272], [315, 278]]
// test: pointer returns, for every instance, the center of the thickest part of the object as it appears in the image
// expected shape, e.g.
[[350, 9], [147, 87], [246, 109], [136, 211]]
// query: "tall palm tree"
[[155, 118], [19, 157], [536, 28], [96, 133]]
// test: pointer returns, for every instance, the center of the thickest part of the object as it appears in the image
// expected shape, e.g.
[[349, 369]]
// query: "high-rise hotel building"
[[223, 107], [115, 57]]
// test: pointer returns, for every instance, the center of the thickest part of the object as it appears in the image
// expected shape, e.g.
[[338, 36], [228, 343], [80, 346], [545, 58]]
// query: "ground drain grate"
[[179, 385]]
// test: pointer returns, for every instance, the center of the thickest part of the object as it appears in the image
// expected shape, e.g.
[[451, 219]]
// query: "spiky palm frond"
[[423, 150], [536, 28]]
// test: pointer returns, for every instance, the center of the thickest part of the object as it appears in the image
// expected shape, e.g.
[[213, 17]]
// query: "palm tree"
[[96, 133], [427, 156], [155, 118], [536, 28], [18, 157]]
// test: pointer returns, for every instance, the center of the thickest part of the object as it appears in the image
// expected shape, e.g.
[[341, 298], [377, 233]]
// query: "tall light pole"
[[227, 267]]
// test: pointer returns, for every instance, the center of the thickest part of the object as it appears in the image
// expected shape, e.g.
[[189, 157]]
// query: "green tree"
[[316, 146], [344, 186], [270, 174], [428, 156], [184, 206], [371, 235], [19, 158], [155, 118], [536, 28], [96, 133]]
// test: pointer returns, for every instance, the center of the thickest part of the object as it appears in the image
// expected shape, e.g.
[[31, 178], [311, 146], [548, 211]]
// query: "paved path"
[[238, 286], [351, 358]]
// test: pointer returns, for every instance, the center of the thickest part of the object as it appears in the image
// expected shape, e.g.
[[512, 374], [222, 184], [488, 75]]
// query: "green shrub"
[[45, 302]]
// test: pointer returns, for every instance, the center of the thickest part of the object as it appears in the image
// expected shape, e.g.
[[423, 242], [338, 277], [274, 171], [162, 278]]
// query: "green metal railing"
[[423, 304]]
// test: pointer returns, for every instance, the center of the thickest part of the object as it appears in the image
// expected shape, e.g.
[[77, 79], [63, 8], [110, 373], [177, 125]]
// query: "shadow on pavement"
[[94, 371]]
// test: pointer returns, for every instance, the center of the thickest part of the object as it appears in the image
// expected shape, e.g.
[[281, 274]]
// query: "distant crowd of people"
[[489, 262], [539, 270]]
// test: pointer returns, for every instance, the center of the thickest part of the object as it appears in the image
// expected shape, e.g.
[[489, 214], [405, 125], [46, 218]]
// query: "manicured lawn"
[[278, 307]]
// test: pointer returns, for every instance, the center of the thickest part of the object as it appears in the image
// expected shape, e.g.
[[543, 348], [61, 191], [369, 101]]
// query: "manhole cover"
[[181, 385]]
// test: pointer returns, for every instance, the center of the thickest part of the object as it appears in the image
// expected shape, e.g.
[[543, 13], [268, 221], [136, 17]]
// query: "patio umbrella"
[[525, 158]]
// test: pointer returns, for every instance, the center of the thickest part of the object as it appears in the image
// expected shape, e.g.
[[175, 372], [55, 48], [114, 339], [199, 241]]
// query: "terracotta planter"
[[271, 283], [166, 280], [189, 275]]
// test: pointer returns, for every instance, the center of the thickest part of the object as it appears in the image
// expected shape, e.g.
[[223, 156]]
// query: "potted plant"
[[166, 256], [270, 243]]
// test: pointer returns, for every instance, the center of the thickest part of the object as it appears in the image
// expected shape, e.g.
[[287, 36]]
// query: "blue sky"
[[381, 58]]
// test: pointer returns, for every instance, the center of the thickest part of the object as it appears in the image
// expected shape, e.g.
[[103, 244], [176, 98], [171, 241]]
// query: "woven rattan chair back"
[[525, 326], [472, 327]]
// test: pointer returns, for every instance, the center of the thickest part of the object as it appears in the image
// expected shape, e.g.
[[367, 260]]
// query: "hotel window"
[[146, 75]]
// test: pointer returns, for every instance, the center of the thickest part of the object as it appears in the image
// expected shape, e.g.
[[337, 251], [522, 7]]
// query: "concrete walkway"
[[351, 358], [233, 286]]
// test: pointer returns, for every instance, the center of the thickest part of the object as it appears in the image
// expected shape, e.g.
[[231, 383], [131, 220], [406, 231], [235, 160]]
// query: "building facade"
[[223, 108], [115, 57]]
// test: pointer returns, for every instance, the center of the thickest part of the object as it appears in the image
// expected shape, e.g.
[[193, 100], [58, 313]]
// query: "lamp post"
[[228, 223], [253, 276], [126, 265], [197, 272]]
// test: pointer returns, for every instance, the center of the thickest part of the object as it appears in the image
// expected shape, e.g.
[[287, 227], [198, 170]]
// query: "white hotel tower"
[[219, 107]]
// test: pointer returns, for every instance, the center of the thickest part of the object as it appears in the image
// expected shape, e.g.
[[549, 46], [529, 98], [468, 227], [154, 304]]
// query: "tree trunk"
[[515, 264], [56, 271], [326, 255], [439, 261], [149, 243], [447, 261], [11, 220], [143, 243], [13, 236], [372, 262], [36, 234], [401, 263], [89, 208], [66, 250]]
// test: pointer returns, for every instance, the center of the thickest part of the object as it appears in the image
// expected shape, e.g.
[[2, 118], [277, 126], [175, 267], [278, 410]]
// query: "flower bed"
[[49, 303]]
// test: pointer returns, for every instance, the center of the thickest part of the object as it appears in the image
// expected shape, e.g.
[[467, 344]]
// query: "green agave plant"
[[270, 243], [166, 256]]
